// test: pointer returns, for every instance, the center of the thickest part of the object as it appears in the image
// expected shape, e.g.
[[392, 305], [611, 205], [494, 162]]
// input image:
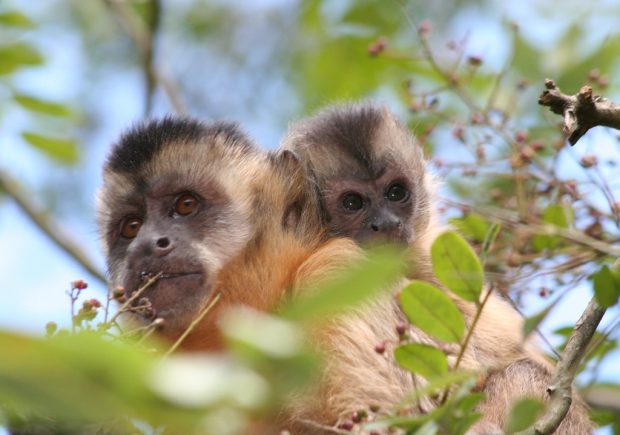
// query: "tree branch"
[[142, 38], [560, 386], [50, 227], [581, 111]]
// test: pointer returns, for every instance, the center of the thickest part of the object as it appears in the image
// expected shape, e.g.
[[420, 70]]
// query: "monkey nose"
[[163, 246], [385, 224]]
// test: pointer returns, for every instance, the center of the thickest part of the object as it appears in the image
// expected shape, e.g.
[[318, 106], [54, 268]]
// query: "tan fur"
[[497, 343]]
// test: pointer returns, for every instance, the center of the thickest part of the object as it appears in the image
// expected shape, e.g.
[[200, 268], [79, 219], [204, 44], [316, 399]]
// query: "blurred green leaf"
[[457, 267], [606, 289], [38, 105], [410, 423], [62, 150], [431, 310], [428, 428], [523, 414], [531, 323], [473, 226], [275, 347], [422, 359], [527, 59], [357, 284], [560, 215], [199, 381], [72, 378], [16, 19], [15, 56]]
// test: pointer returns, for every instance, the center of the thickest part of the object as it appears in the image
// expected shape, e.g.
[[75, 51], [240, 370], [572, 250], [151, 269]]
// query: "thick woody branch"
[[560, 386], [51, 228], [581, 111]]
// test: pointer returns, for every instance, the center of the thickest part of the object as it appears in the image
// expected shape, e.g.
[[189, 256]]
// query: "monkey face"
[[179, 232], [369, 171], [371, 210], [175, 203]]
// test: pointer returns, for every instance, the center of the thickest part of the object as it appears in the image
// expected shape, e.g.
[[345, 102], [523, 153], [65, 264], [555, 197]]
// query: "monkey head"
[[203, 207], [369, 170], [175, 201]]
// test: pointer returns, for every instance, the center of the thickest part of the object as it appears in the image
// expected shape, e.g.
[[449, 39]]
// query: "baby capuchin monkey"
[[370, 172], [374, 187]]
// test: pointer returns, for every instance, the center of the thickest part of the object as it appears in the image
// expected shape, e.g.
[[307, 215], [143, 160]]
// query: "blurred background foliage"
[[464, 74]]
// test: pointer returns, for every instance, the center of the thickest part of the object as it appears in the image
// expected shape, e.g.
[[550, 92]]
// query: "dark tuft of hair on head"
[[145, 140], [351, 128]]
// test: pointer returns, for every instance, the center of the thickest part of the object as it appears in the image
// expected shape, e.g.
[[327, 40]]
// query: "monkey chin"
[[177, 298], [398, 242]]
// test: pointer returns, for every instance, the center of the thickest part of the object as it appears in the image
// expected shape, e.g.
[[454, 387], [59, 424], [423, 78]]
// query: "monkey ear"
[[288, 160], [298, 187]]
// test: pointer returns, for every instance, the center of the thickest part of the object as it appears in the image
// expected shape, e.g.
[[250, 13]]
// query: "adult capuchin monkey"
[[374, 187]]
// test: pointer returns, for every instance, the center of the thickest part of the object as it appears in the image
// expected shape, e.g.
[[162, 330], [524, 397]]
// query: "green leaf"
[[531, 323], [270, 335], [527, 59], [559, 215], [606, 289], [428, 428], [434, 386], [18, 55], [457, 267], [431, 310], [410, 423], [473, 226], [425, 360], [523, 414], [16, 19], [62, 150], [489, 239], [41, 106], [357, 284]]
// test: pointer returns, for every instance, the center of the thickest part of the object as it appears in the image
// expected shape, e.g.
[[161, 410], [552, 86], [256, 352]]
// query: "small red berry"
[[521, 136], [346, 425], [79, 284], [380, 347], [588, 161], [474, 60]]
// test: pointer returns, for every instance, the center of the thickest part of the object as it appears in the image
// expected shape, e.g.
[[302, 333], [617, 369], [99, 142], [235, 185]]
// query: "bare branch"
[[143, 40], [560, 387], [49, 226], [581, 111]]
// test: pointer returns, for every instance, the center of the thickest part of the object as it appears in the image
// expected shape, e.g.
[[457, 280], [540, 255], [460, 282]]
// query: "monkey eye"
[[352, 202], [397, 192], [185, 204], [130, 227]]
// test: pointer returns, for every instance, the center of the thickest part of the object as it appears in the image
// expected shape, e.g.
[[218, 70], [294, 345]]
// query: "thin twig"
[[49, 226], [480, 307], [142, 38], [192, 325], [323, 428], [560, 386], [150, 281], [470, 333]]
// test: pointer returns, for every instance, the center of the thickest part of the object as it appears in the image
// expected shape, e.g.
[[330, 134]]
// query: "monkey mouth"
[[165, 275]]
